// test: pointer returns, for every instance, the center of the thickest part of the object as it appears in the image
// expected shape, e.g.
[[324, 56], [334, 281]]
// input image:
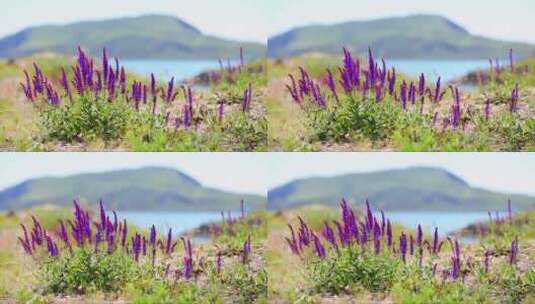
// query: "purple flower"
[[411, 245], [403, 246], [487, 262], [456, 108], [105, 66], [320, 250], [487, 109], [65, 83], [169, 246], [403, 95], [376, 238], [435, 242], [318, 96], [294, 91], [455, 259], [332, 84], [513, 106], [419, 236], [219, 262], [392, 82], [292, 242], [51, 247], [389, 233], [438, 95], [25, 241], [188, 259], [27, 88], [378, 93], [421, 85], [328, 234], [247, 98], [513, 253], [246, 250]]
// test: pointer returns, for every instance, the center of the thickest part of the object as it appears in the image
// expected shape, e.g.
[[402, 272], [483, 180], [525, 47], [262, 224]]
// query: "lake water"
[[447, 69], [447, 222], [180, 222], [183, 69], [165, 69]]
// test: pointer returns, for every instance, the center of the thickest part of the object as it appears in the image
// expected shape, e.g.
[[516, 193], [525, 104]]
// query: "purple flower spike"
[[332, 84], [219, 262], [419, 236], [247, 97], [246, 250], [435, 242], [455, 259], [438, 95], [65, 83], [513, 253], [188, 259], [488, 109], [294, 91], [513, 105], [377, 238], [328, 234], [320, 250], [292, 242], [403, 246], [487, 262], [389, 233], [421, 85]]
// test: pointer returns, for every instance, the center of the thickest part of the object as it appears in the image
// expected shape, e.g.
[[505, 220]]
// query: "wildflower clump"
[[87, 255]]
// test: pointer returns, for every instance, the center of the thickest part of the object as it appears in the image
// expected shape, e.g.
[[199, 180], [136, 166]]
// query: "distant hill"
[[146, 189], [395, 190], [151, 36], [415, 36]]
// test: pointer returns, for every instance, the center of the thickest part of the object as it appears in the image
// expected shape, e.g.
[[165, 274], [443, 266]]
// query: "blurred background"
[[148, 36], [183, 191], [439, 38]]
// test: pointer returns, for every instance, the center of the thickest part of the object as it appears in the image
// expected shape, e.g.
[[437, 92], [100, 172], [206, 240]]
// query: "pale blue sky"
[[257, 19], [256, 172]]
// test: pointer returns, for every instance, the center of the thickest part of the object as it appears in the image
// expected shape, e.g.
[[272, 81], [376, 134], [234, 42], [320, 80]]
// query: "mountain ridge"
[[398, 37], [141, 189], [147, 36], [414, 188]]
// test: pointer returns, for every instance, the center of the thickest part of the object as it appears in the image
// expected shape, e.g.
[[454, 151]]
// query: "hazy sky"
[[257, 19], [255, 172]]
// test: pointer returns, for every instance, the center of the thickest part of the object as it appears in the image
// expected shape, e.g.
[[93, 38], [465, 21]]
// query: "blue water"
[[165, 69], [447, 222], [178, 221], [447, 69], [184, 69]]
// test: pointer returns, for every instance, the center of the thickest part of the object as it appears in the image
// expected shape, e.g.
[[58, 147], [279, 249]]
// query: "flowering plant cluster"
[[374, 235]]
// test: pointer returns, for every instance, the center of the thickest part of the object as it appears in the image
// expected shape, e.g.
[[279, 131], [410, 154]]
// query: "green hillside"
[[151, 36], [147, 189], [407, 189], [416, 36]]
